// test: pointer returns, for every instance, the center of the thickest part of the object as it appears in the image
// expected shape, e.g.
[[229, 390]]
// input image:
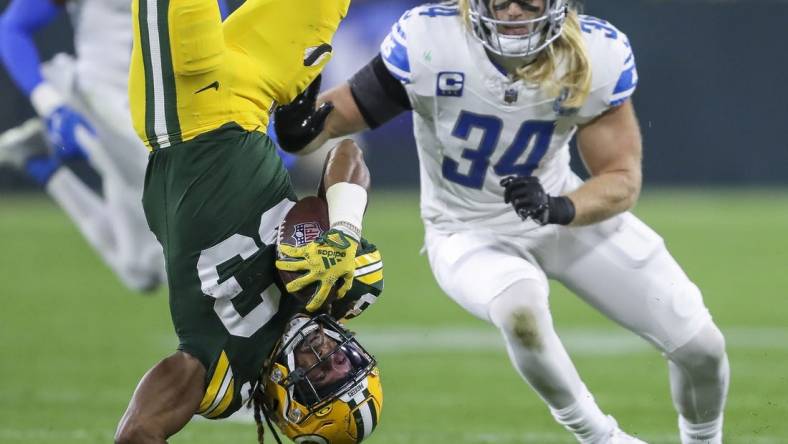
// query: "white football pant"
[[622, 268], [114, 224]]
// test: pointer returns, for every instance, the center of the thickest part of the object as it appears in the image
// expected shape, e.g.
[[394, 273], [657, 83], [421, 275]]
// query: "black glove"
[[529, 199], [298, 122]]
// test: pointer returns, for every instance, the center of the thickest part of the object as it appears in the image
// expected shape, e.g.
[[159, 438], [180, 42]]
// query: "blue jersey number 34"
[[532, 133]]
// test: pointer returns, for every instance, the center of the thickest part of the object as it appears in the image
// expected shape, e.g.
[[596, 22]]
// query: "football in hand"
[[304, 223]]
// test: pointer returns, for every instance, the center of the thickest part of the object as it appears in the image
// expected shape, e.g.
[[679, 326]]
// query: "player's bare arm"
[[164, 401], [345, 163], [345, 119], [328, 260], [611, 148]]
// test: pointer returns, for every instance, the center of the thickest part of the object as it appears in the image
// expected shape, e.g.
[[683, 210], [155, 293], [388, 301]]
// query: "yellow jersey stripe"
[[367, 259], [229, 393], [221, 394], [371, 278], [216, 383]]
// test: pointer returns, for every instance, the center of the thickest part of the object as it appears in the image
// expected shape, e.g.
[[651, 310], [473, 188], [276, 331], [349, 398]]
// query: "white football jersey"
[[102, 40], [474, 125]]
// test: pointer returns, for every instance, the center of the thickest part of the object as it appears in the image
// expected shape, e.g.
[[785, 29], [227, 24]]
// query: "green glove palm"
[[328, 259]]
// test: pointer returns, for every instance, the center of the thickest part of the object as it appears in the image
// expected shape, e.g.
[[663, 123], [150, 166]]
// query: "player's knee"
[[521, 312], [705, 351]]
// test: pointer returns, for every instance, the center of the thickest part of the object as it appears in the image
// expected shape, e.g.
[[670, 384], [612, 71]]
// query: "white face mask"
[[510, 44]]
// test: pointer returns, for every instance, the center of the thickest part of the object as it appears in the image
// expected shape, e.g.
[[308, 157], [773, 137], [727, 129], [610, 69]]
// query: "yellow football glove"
[[326, 260]]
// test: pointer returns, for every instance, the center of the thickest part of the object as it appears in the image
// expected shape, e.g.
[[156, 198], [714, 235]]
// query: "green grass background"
[[74, 342]]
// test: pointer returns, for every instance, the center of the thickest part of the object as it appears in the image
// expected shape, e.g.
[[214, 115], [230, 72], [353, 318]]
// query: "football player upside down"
[[215, 194]]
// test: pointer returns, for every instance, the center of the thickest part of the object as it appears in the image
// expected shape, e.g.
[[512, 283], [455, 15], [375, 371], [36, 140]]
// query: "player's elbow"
[[349, 152], [631, 185], [346, 163]]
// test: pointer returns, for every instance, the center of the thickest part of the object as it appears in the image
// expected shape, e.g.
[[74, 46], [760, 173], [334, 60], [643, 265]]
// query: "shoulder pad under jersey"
[[416, 26]]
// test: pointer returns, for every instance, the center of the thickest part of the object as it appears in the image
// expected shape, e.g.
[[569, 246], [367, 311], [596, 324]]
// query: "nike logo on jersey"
[[214, 86], [315, 54]]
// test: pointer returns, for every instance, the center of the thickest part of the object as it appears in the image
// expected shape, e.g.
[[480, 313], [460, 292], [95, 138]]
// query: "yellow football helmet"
[[323, 387]]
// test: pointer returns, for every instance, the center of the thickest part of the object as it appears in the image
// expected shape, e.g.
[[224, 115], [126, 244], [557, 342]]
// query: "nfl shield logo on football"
[[305, 233], [450, 84]]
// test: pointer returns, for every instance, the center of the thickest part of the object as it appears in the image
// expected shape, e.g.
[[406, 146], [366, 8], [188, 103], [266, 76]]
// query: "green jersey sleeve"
[[367, 283]]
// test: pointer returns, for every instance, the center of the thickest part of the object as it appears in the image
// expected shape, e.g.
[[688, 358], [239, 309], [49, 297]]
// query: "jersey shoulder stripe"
[[394, 51], [372, 278], [612, 58], [367, 259], [369, 268], [626, 85], [628, 81], [433, 10]]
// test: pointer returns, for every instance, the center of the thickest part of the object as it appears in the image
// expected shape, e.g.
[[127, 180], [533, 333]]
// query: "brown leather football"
[[305, 222]]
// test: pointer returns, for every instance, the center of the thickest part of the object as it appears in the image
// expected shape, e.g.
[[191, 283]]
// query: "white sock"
[[585, 420], [704, 433], [699, 376], [545, 364]]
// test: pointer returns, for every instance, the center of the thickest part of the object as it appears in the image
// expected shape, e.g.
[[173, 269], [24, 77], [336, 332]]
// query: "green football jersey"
[[215, 203]]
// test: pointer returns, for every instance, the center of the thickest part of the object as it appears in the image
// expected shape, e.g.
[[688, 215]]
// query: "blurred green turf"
[[74, 342]]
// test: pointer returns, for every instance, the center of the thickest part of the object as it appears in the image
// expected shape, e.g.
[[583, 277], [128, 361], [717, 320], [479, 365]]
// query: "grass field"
[[73, 342]]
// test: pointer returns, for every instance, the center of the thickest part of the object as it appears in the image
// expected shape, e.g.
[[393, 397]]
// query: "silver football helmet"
[[534, 34]]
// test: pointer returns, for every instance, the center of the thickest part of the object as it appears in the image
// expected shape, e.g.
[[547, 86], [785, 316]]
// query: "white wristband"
[[45, 99], [346, 205]]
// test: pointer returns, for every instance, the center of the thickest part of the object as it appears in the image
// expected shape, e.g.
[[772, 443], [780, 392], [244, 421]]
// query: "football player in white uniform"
[[498, 89], [83, 110]]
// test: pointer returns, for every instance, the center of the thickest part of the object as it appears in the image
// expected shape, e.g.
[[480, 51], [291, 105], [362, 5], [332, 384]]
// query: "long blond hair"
[[569, 48]]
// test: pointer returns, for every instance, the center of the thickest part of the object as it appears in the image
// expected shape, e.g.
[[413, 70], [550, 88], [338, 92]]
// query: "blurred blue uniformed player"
[[83, 113]]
